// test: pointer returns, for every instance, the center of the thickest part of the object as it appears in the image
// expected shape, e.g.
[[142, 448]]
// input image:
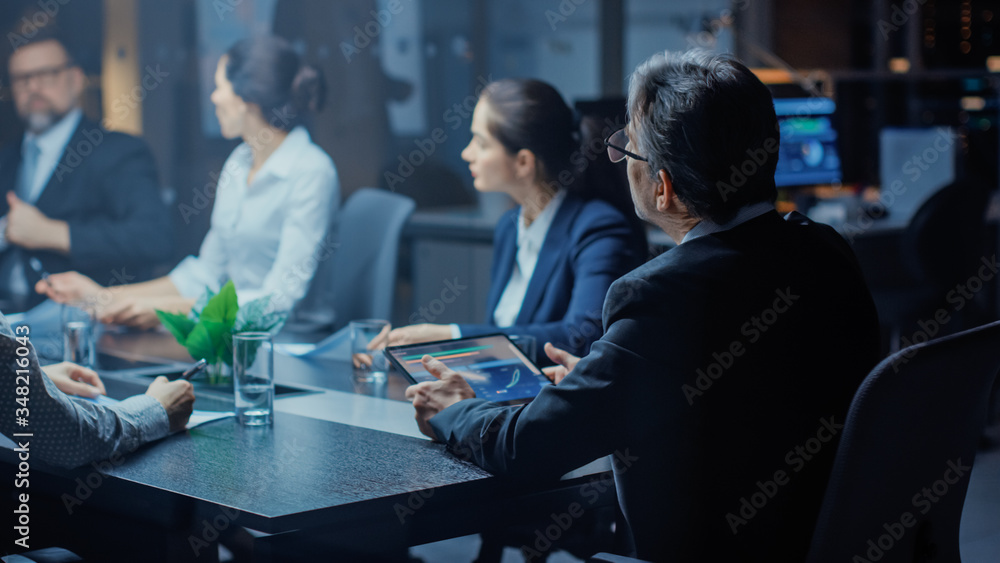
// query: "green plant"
[[207, 331]]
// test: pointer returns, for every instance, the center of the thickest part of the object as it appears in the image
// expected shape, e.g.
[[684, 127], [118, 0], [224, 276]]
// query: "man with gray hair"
[[728, 363]]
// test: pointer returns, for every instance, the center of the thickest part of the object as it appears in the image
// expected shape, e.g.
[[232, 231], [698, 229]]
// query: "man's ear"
[[524, 164], [663, 191], [78, 81]]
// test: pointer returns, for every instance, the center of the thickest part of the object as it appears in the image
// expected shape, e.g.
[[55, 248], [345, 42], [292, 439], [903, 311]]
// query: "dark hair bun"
[[309, 89], [265, 70]]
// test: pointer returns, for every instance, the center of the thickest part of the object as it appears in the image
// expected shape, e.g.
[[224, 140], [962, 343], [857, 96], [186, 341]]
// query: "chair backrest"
[[364, 265], [943, 243], [899, 480]]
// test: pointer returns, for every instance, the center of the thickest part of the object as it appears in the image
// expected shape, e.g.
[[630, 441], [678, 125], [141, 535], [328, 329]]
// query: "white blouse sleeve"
[[314, 199], [208, 269]]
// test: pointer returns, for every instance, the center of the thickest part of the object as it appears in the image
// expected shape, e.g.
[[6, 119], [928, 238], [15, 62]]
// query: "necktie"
[[29, 168], [12, 270]]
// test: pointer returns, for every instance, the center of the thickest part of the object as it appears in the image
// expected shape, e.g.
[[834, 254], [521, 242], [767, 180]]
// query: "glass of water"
[[253, 378], [369, 365], [79, 331]]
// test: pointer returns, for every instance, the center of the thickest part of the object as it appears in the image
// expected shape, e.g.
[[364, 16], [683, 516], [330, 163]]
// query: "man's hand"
[[413, 334], [28, 227], [69, 287], [138, 312], [565, 360], [377, 343], [432, 397], [75, 380], [177, 397]]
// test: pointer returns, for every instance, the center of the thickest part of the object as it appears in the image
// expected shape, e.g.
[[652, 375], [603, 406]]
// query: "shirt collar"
[[707, 227], [55, 138], [534, 234], [283, 159]]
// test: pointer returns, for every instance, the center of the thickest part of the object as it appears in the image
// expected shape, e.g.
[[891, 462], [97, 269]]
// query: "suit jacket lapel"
[[505, 248], [60, 179], [556, 243], [9, 163]]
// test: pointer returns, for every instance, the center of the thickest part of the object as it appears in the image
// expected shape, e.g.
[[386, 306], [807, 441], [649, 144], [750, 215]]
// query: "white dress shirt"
[[51, 144], [530, 239], [264, 236]]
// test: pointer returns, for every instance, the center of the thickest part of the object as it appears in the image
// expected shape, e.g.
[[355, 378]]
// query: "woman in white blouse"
[[274, 201]]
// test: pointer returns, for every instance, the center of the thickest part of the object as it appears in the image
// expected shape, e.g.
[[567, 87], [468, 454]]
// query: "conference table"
[[343, 470]]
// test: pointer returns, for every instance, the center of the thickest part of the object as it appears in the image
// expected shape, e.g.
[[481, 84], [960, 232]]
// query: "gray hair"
[[710, 124]]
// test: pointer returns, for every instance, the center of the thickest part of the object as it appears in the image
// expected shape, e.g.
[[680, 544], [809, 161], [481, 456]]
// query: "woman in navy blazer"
[[558, 251]]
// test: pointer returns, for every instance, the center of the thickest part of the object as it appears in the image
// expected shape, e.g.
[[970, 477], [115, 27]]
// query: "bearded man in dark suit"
[[73, 195]]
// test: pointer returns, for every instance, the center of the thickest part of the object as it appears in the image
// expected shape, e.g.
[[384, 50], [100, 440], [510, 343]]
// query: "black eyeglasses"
[[616, 151], [46, 76]]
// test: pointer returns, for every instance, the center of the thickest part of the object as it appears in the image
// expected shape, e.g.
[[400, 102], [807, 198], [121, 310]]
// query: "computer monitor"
[[808, 152]]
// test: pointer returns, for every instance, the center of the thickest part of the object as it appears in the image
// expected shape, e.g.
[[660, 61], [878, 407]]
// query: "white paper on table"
[[198, 417], [333, 346]]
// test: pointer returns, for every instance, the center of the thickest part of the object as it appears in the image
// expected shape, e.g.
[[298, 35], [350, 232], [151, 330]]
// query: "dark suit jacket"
[[105, 186], [727, 366], [589, 245]]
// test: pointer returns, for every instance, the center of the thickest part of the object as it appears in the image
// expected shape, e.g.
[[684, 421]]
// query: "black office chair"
[[356, 277], [911, 273], [915, 420], [899, 480]]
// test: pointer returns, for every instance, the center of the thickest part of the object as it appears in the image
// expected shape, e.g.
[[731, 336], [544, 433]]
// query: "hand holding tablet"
[[492, 365]]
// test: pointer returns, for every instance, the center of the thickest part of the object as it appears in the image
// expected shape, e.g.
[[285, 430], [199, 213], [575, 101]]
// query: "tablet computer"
[[496, 369]]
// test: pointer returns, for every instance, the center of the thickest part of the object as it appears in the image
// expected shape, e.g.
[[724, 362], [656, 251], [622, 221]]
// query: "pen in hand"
[[36, 265], [195, 369]]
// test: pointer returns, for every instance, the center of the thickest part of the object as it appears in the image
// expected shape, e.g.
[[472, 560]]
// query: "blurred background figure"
[[276, 195], [75, 196]]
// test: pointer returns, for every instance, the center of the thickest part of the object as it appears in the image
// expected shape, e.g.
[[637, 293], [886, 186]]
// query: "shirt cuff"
[[190, 280], [149, 415], [456, 331]]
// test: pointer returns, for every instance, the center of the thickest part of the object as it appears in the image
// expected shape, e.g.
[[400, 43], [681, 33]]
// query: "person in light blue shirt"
[[274, 202], [67, 432]]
